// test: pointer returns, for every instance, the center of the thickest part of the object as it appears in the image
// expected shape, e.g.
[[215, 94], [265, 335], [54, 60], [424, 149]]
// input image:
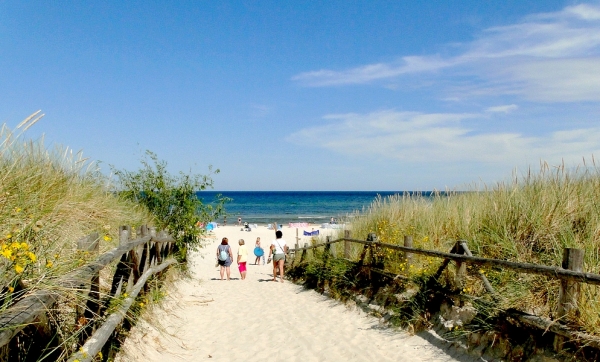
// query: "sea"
[[315, 207]]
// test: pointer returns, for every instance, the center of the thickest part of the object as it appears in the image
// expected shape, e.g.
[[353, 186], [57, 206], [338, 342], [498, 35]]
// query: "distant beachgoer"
[[239, 221], [224, 257], [242, 257], [332, 221], [259, 252], [279, 250], [225, 221]]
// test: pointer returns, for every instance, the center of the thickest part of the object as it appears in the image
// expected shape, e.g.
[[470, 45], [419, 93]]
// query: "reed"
[[50, 198], [529, 218]]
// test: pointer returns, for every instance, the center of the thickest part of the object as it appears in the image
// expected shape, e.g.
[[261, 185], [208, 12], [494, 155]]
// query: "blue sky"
[[296, 95]]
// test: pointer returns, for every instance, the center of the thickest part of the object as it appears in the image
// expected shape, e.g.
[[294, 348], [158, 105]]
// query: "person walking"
[[225, 258], [279, 250], [242, 257]]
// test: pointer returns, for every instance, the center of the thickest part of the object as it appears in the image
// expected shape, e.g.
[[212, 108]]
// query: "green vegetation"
[[51, 198], [48, 200], [172, 200], [530, 219]]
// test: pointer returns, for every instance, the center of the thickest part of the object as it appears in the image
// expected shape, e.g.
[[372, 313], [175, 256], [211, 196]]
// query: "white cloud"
[[561, 80], [371, 72], [417, 137], [503, 109], [550, 57]]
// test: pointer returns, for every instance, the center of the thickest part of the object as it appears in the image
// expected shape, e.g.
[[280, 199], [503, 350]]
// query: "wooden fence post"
[[408, 242], [90, 244], [461, 268], [121, 273], [303, 255], [346, 244], [569, 290], [366, 248], [145, 250]]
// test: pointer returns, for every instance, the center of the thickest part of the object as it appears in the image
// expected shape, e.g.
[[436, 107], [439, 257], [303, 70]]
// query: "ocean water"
[[264, 207]]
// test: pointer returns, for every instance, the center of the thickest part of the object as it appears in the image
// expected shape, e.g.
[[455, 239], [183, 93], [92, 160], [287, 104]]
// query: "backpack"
[[223, 254]]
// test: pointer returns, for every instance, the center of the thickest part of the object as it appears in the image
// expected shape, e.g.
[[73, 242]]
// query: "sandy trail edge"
[[205, 318]]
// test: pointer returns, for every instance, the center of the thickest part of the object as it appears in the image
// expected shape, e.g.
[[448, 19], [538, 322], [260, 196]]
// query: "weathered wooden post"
[[366, 248], [346, 244], [569, 290], [461, 268], [90, 244], [408, 242], [145, 250], [327, 251], [303, 255], [121, 272]]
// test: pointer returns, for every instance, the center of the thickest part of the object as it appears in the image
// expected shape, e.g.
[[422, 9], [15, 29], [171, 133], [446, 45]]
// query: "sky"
[[305, 95]]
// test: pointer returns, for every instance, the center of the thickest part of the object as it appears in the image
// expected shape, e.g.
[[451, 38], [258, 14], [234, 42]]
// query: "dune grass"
[[50, 198], [531, 219]]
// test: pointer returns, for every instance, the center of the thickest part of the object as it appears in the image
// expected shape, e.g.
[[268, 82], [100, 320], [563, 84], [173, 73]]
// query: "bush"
[[171, 199]]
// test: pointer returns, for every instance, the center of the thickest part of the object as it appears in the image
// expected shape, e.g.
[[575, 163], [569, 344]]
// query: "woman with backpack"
[[224, 257]]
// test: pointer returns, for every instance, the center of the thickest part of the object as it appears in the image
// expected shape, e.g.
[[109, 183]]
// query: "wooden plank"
[[556, 328], [484, 279], [28, 309], [94, 344], [550, 271]]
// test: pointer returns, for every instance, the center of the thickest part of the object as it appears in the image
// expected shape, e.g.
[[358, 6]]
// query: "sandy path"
[[257, 319]]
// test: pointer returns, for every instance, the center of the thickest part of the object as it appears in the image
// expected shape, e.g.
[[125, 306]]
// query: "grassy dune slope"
[[49, 198], [530, 219]]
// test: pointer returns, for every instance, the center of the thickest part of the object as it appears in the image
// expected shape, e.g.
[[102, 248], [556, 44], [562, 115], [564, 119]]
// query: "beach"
[[204, 318]]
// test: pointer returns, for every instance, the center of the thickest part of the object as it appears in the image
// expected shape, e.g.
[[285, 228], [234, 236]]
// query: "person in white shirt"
[[279, 250]]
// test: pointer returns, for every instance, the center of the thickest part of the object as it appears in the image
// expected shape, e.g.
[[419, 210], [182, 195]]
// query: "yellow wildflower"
[[49, 264], [32, 257], [107, 238], [24, 246], [141, 304], [11, 289], [6, 253], [8, 236], [19, 269], [18, 209], [100, 355]]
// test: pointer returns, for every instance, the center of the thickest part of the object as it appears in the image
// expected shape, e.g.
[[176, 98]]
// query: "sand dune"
[[205, 318]]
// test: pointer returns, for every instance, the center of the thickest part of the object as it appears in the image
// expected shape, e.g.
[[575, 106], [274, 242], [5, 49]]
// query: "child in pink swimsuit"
[[242, 257]]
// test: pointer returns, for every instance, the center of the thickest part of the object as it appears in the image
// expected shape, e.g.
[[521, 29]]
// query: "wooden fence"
[[138, 259], [570, 275]]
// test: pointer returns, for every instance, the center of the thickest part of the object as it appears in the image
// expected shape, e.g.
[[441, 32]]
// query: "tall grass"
[[50, 198], [528, 219]]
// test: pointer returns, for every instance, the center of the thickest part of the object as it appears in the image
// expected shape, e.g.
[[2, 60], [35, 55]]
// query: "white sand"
[[205, 318]]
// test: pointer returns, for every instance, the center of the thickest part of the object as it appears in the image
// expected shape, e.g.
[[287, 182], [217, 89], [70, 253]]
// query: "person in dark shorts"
[[225, 258]]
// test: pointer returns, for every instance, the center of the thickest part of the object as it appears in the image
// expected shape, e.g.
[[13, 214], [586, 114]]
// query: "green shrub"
[[171, 199]]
